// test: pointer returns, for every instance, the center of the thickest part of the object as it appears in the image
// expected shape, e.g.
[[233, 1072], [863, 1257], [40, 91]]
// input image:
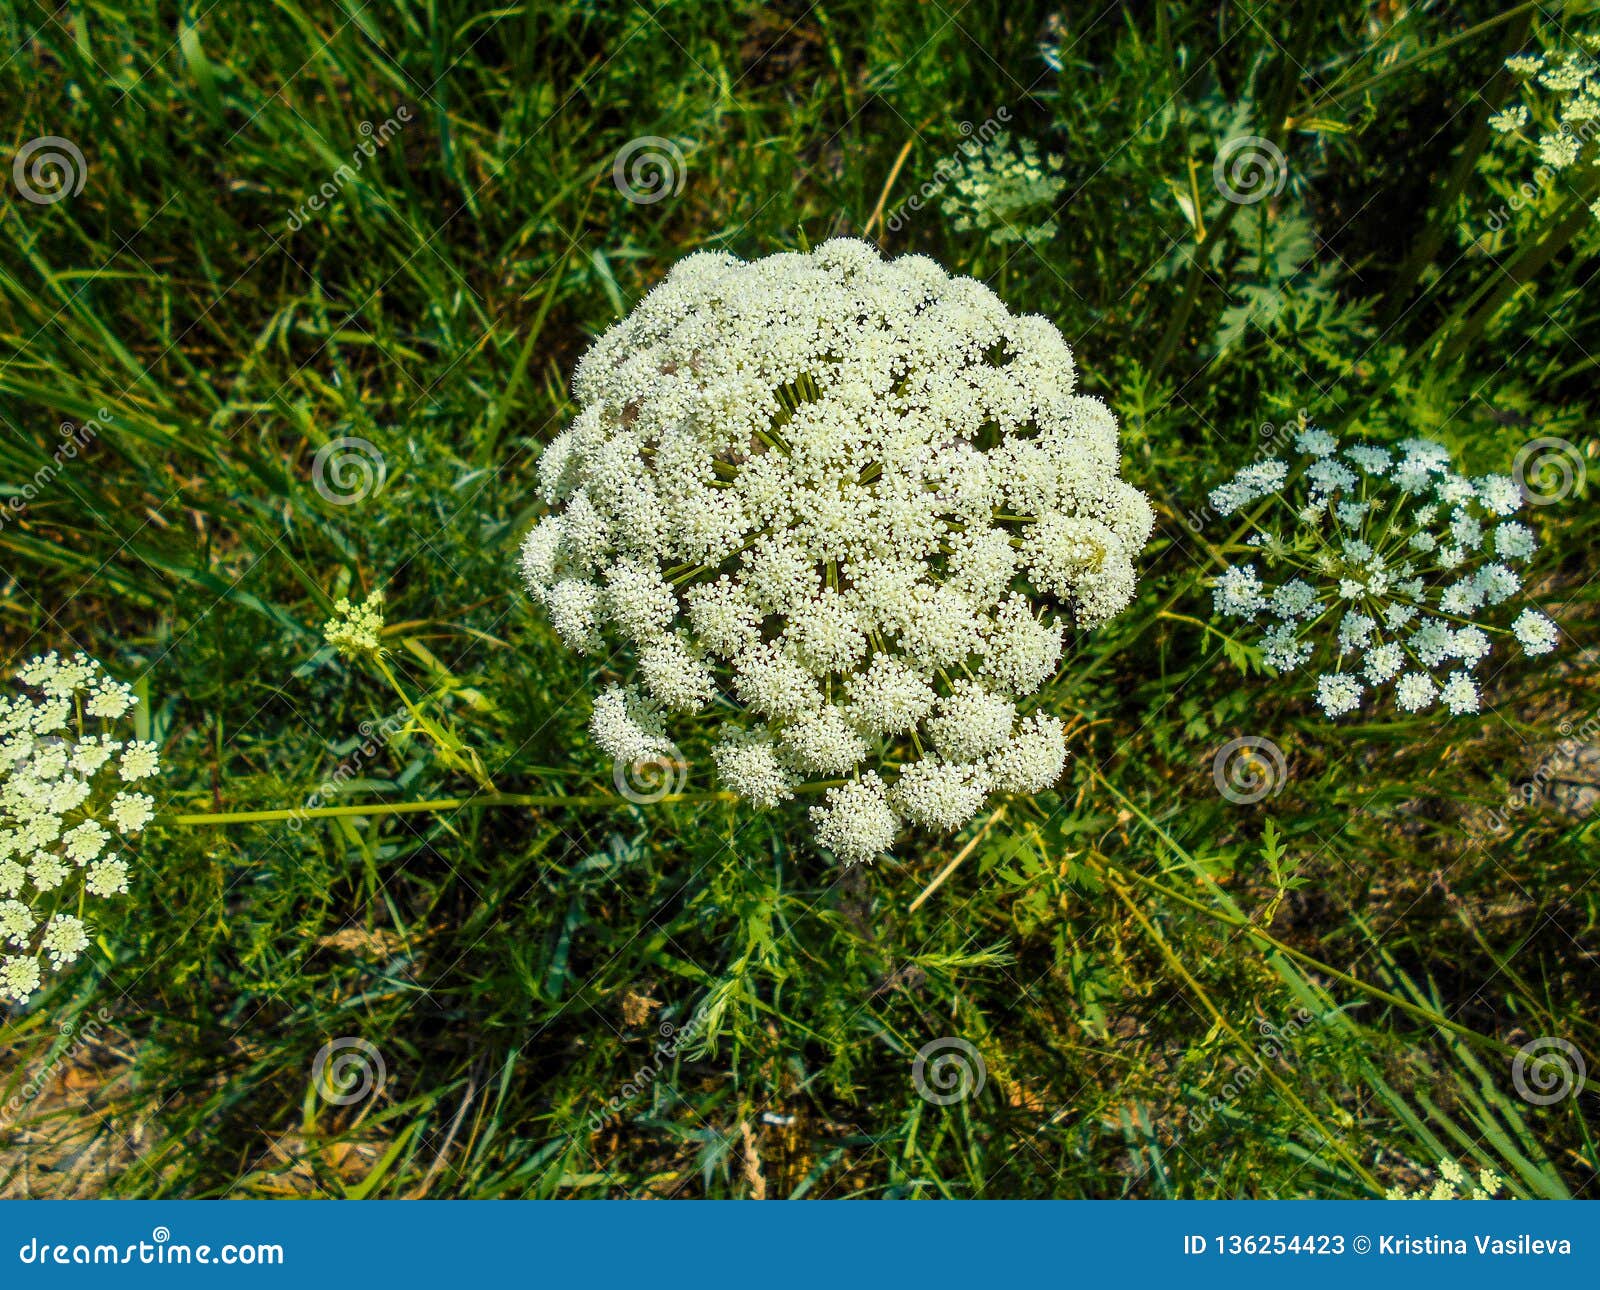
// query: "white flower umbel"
[[845, 510], [64, 805], [1379, 567], [1559, 120]]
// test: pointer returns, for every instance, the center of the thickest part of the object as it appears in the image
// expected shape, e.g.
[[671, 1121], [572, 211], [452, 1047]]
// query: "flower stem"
[[436, 804], [527, 800]]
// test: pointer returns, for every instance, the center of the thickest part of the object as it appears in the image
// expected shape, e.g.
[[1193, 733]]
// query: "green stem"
[[529, 800], [451, 749], [1522, 271], [1335, 96], [1433, 232], [435, 804]]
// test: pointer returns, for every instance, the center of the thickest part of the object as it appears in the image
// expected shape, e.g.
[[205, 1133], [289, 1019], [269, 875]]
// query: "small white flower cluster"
[[354, 629], [1391, 557], [848, 506], [1570, 115], [1007, 194], [65, 795], [1453, 1183]]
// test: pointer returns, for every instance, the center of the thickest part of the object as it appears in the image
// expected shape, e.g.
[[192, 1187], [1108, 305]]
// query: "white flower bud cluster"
[[1006, 194], [847, 508], [1382, 564], [65, 796]]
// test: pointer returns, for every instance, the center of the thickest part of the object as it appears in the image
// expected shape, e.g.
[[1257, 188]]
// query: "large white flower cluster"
[[65, 796], [1382, 566], [847, 508]]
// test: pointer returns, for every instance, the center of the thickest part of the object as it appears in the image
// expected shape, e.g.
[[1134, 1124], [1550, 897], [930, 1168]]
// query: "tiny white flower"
[[84, 842], [1514, 541], [65, 938], [1339, 693], [107, 876], [19, 977], [1512, 118], [1382, 663], [1355, 630], [1316, 442], [1415, 691], [854, 820], [1460, 694], [139, 761], [130, 812], [1536, 632]]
